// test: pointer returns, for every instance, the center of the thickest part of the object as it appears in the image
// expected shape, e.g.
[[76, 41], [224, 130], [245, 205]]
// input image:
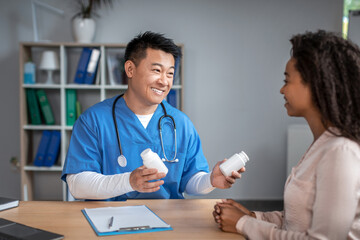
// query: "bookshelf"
[[44, 183]]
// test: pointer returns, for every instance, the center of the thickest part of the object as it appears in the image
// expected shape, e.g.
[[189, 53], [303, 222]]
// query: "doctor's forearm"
[[199, 184], [92, 185]]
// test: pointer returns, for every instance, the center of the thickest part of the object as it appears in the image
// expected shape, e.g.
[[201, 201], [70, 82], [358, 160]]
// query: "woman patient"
[[322, 193]]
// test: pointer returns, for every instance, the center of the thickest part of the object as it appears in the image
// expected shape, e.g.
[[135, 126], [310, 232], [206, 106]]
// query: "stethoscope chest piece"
[[171, 161], [122, 161]]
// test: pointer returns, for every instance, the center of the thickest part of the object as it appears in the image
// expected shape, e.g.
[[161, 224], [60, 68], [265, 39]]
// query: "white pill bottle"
[[152, 160], [234, 163]]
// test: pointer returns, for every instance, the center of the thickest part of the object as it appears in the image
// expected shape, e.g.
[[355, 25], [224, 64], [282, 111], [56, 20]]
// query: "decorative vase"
[[83, 29]]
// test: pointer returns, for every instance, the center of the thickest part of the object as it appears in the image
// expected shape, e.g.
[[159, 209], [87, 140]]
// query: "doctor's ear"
[[129, 68]]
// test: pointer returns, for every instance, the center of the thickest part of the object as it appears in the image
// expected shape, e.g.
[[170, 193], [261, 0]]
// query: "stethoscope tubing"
[[159, 125], [115, 123]]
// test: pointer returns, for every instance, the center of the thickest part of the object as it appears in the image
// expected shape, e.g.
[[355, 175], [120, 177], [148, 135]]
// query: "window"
[[348, 5]]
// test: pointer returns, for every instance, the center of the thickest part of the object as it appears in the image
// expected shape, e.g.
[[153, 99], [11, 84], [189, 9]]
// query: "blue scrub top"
[[93, 146]]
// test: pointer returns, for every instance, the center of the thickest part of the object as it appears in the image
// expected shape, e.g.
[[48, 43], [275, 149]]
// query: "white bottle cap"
[[246, 158], [146, 154]]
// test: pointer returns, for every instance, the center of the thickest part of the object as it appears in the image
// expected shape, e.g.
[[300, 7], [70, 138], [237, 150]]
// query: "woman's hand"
[[239, 206], [228, 212]]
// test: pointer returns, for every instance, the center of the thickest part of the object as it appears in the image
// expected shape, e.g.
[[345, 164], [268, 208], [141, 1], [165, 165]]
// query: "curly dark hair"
[[331, 67], [136, 48]]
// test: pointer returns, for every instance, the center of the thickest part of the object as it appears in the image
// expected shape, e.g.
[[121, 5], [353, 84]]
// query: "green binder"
[[33, 107], [70, 106], [45, 107], [78, 109]]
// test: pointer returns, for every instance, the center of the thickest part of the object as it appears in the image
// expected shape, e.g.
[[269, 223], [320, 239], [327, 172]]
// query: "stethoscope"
[[122, 159]]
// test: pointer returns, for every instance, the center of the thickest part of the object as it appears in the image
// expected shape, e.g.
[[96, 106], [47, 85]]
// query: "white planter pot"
[[83, 29]]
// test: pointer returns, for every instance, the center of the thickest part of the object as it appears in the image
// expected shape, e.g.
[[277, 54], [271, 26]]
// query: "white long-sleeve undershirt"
[[92, 185]]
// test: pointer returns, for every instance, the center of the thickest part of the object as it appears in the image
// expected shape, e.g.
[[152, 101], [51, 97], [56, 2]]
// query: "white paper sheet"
[[124, 217]]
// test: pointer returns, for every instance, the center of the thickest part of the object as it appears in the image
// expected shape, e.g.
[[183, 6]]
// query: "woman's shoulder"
[[339, 152], [335, 142]]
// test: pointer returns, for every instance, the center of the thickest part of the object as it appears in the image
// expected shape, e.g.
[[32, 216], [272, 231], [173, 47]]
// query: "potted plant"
[[83, 21]]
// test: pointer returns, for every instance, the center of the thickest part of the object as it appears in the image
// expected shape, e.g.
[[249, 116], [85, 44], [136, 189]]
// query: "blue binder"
[[42, 148], [53, 149], [82, 65], [92, 66], [172, 98]]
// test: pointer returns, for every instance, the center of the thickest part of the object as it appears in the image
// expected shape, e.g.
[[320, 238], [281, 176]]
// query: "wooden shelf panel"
[[46, 169], [41, 127]]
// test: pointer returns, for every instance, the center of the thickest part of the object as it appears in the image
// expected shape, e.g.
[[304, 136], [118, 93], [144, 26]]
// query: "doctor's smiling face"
[[150, 80]]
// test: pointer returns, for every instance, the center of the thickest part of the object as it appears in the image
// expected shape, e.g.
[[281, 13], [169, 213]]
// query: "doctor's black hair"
[[330, 66], [136, 48]]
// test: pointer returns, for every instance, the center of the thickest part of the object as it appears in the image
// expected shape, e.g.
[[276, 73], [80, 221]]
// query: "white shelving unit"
[[88, 95]]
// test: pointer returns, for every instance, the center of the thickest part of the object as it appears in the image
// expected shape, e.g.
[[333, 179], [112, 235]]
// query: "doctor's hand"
[[140, 179], [218, 180]]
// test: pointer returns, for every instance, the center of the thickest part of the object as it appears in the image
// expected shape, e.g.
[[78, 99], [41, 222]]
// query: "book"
[[52, 152], [42, 148], [70, 106], [33, 107], [16, 231], [45, 107], [6, 203], [172, 98], [92, 66], [124, 220], [82, 65]]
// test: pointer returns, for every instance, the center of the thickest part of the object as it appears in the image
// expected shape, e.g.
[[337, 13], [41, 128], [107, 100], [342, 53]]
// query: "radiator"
[[299, 138]]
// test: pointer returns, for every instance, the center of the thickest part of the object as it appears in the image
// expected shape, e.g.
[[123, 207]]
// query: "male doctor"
[[92, 169]]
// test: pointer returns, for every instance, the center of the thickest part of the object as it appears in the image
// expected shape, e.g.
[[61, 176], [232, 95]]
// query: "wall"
[[235, 55]]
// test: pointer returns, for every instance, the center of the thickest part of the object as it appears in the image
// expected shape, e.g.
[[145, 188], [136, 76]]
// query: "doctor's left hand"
[[140, 179], [218, 180]]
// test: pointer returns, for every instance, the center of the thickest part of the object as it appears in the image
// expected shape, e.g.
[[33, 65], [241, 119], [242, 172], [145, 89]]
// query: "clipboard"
[[124, 220]]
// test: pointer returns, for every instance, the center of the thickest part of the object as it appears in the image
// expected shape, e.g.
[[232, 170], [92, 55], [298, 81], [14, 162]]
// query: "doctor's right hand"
[[140, 179]]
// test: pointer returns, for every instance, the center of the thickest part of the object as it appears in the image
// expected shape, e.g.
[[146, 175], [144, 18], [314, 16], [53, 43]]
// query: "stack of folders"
[[124, 220], [48, 149], [87, 66], [39, 108]]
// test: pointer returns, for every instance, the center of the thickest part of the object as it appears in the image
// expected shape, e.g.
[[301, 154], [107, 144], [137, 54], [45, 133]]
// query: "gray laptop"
[[16, 231]]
